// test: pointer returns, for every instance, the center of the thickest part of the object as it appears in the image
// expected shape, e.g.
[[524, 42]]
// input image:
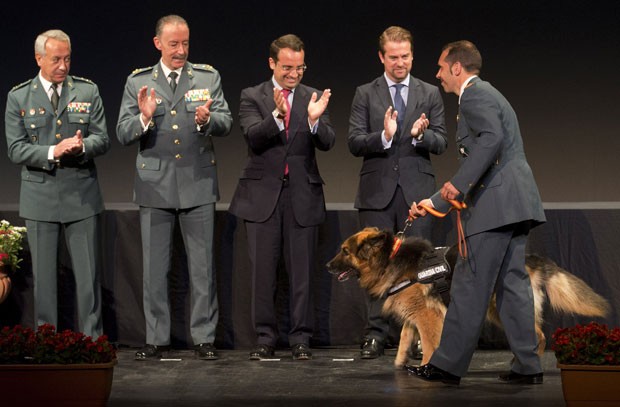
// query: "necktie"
[[173, 81], [55, 97], [399, 104], [285, 93]]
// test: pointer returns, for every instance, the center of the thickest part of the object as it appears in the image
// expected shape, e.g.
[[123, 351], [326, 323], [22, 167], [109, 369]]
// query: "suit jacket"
[[269, 151], [494, 177], [175, 166], [402, 164], [49, 192]]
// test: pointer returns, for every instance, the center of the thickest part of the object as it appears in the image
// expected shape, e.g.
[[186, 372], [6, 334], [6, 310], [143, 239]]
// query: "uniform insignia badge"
[[32, 112], [158, 101], [22, 113], [197, 95], [41, 110], [79, 107]]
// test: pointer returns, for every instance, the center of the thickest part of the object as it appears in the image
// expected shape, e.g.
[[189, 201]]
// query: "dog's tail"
[[566, 292]]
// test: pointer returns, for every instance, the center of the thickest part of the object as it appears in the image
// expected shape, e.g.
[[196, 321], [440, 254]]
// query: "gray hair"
[[169, 19], [39, 44]]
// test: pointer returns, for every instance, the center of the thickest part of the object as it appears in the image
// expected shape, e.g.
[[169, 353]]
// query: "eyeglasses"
[[300, 69]]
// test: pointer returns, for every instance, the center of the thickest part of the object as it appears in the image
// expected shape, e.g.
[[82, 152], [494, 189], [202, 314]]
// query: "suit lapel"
[[298, 111], [383, 94], [39, 98], [413, 97]]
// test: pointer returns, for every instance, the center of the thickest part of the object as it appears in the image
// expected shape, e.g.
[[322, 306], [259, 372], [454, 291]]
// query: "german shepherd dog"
[[368, 256]]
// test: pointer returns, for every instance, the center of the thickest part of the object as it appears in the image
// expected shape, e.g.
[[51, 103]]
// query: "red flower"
[[593, 344], [46, 345]]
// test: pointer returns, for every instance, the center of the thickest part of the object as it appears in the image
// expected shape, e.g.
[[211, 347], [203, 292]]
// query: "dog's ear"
[[372, 244]]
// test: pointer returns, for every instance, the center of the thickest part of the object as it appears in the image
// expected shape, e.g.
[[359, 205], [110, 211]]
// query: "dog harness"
[[435, 270]]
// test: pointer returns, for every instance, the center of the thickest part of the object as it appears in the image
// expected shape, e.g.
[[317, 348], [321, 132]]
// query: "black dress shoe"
[[518, 378], [262, 352], [432, 373], [150, 352], [371, 349], [301, 351], [206, 351]]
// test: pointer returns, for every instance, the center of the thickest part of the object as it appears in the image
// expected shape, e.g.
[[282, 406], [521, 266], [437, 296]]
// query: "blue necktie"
[[399, 104]]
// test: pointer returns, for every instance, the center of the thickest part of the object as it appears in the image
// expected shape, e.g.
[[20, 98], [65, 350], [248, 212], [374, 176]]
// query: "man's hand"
[[203, 113], [419, 126], [389, 123], [449, 192], [317, 107], [70, 146], [146, 103], [280, 101], [417, 209]]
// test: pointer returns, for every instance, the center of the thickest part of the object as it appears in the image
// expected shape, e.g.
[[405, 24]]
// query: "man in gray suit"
[[503, 204], [396, 122], [55, 127], [172, 110]]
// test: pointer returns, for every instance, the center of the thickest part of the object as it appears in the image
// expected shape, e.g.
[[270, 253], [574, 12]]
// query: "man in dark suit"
[[176, 178], [503, 204], [280, 193], [396, 122], [55, 127]]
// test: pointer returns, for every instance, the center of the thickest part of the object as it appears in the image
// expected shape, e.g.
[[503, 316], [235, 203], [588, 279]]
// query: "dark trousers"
[[281, 235]]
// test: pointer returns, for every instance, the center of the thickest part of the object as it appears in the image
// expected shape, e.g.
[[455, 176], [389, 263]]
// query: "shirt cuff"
[[386, 144]]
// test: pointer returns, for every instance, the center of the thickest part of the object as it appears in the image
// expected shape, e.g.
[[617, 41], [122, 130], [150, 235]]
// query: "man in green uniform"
[[55, 127]]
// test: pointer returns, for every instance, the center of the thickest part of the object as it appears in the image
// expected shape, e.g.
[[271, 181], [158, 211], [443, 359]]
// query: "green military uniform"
[[176, 177], [60, 194]]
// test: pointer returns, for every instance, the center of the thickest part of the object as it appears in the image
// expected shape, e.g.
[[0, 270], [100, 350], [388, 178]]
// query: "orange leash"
[[458, 206]]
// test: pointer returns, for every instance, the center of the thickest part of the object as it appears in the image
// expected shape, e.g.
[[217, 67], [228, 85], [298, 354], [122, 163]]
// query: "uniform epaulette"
[[21, 85], [141, 70], [203, 67], [79, 78]]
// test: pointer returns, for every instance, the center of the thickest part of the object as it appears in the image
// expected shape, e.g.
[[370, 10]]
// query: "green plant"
[[11, 238], [45, 345], [592, 344]]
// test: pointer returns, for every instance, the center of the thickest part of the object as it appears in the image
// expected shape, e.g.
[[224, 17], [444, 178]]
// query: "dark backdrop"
[[555, 61]]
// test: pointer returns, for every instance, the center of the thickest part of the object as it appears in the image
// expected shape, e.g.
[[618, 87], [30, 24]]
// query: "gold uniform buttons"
[[175, 127], [173, 112], [213, 162], [177, 141], [178, 156], [59, 122], [58, 136], [143, 165], [82, 121], [34, 139], [32, 126]]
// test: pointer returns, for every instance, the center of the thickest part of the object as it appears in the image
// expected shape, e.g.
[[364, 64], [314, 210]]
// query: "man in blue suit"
[[503, 204], [55, 127], [173, 109], [396, 123]]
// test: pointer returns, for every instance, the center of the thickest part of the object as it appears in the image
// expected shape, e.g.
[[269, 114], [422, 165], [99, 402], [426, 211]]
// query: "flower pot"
[[590, 386], [87, 385], [5, 286]]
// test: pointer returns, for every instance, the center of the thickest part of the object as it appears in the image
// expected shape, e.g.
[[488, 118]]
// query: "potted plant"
[[10, 246], [62, 368], [589, 360]]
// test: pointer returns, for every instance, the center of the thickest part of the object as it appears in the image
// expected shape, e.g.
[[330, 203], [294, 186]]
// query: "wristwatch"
[[278, 115]]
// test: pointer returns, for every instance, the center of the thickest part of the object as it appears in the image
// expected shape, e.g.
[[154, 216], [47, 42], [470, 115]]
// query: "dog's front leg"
[[407, 334]]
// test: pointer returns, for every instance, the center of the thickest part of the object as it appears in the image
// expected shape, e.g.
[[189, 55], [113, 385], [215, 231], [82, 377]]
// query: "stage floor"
[[334, 377]]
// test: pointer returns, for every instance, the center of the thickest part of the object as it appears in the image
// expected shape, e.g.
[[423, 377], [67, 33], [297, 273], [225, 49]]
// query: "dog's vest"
[[435, 270]]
